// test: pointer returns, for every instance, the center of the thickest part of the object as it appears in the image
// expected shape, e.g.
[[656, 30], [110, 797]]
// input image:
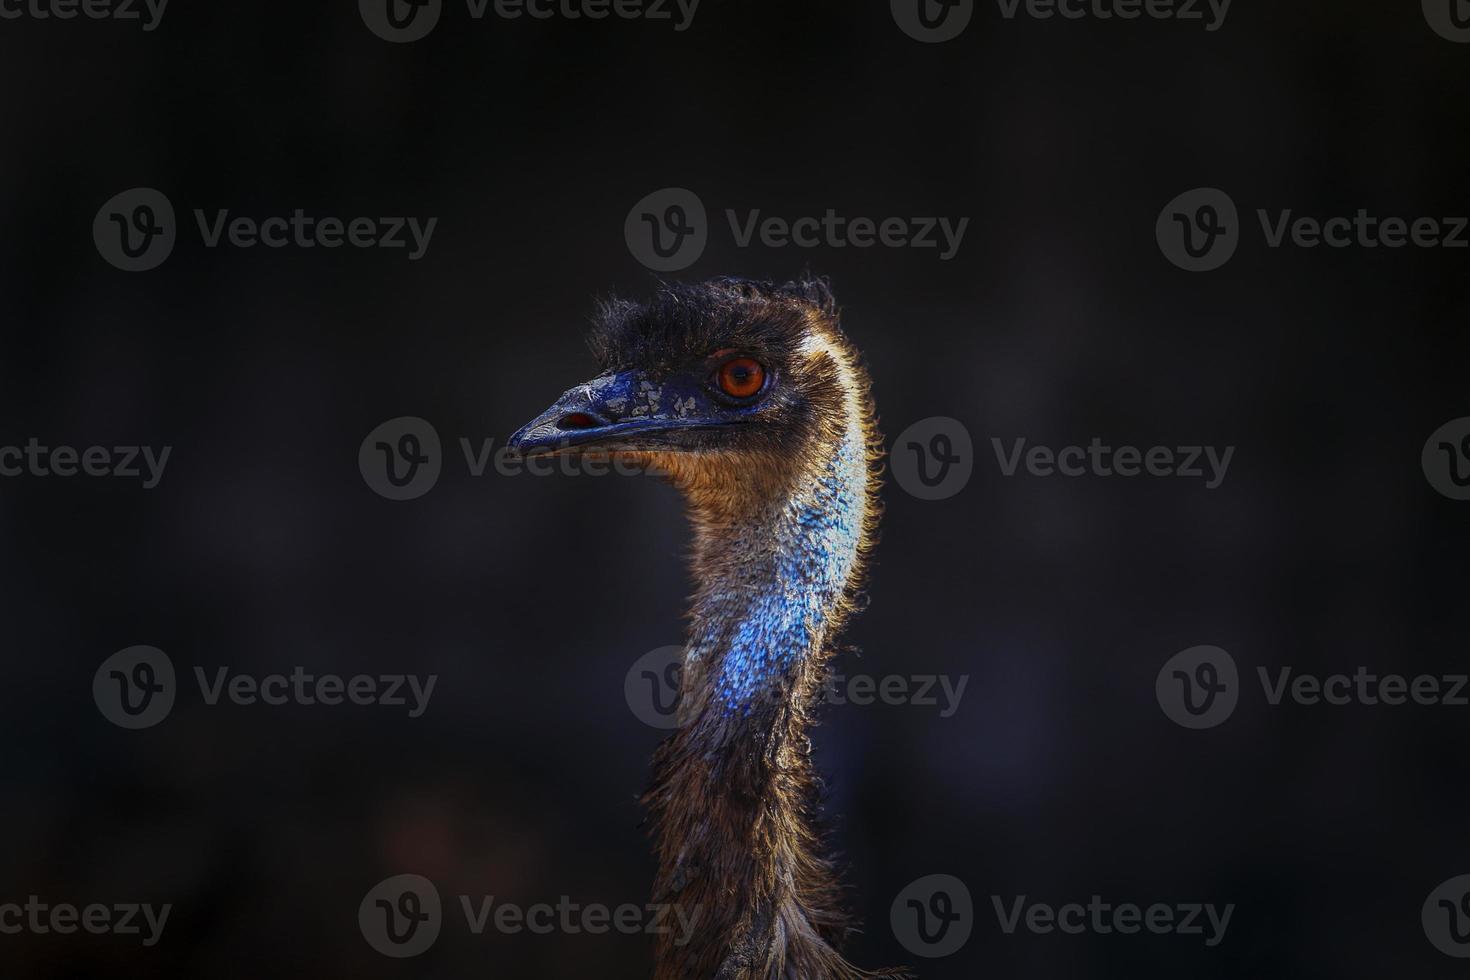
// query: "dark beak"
[[624, 412]]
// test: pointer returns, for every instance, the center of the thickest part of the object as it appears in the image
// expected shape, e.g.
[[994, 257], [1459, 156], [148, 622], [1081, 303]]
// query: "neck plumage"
[[734, 790]]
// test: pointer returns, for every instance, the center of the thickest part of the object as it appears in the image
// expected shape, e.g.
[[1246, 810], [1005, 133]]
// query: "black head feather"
[[685, 321]]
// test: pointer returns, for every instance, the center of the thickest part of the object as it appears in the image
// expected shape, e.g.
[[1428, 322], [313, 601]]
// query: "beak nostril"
[[577, 420]]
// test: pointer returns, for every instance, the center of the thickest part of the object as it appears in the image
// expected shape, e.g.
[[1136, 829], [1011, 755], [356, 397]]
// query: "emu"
[[751, 400]]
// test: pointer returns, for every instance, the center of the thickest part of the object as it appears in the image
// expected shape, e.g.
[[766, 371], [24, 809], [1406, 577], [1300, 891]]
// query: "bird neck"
[[734, 786], [774, 582]]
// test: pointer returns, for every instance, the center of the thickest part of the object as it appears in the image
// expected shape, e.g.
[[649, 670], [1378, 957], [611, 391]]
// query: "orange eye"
[[742, 377]]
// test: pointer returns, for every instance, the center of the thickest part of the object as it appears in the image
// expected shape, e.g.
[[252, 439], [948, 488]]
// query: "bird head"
[[712, 382]]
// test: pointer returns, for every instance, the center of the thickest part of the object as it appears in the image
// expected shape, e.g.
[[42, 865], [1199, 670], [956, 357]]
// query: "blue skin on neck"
[[818, 536]]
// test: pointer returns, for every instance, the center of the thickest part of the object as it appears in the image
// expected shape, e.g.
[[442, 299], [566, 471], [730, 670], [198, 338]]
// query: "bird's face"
[[711, 377], [706, 403]]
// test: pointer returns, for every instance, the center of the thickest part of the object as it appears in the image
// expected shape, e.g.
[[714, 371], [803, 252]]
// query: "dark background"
[[1058, 778]]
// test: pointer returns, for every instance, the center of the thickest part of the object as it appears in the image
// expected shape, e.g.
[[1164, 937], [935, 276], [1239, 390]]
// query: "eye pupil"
[[742, 377]]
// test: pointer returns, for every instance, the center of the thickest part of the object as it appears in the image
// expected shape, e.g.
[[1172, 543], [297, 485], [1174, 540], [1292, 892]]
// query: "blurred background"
[[1059, 599]]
